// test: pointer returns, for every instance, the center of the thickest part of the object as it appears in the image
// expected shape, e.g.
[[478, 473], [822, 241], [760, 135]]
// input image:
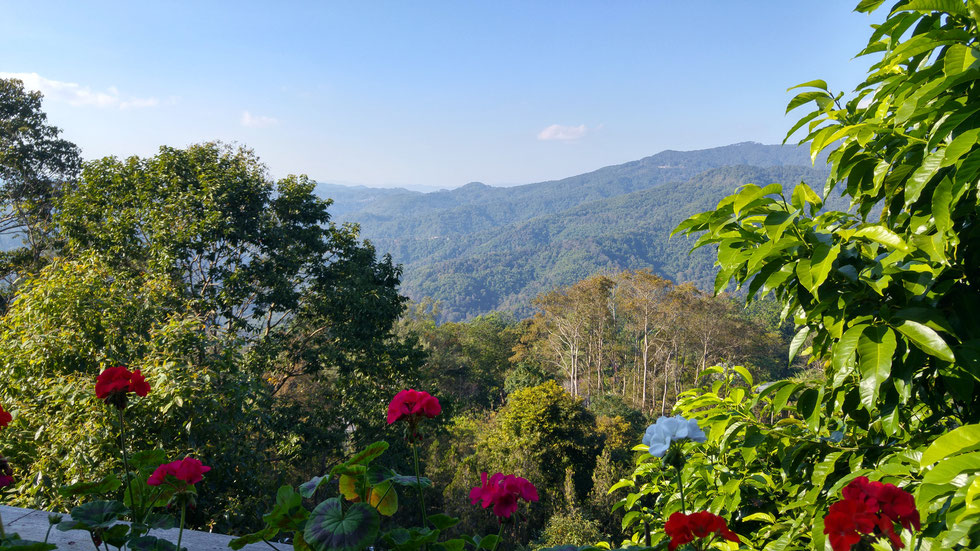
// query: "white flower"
[[669, 429]]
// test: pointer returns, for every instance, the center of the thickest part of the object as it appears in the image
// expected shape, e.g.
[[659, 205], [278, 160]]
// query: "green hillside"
[[479, 248]]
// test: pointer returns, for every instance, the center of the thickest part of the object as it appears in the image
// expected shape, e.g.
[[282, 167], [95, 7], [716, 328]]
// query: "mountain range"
[[479, 248]]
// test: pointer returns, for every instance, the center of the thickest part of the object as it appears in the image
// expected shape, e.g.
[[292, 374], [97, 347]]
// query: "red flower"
[[5, 418], [138, 385], [846, 521], [870, 508], [413, 404], [115, 383], [188, 470], [683, 529], [503, 491], [6, 473]]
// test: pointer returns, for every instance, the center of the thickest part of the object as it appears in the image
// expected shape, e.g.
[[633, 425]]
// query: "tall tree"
[[34, 163], [886, 290]]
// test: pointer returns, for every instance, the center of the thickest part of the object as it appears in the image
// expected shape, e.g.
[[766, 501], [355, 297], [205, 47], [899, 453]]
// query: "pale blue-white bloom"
[[671, 429]]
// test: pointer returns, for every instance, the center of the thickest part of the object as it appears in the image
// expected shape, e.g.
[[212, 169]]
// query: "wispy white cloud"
[[562, 133], [257, 121], [76, 94]]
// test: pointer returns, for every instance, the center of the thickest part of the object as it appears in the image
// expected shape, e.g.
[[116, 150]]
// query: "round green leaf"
[[331, 527]]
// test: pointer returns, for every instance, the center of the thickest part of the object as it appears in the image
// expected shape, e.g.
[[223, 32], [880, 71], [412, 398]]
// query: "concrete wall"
[[32, 525]]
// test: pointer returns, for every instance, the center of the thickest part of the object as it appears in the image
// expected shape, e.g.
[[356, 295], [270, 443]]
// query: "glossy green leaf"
[[959, 439], [926, 339], [946, 470], [875, 349], [883, 235], [954, 7], [844, 350], [917, 182], [798, 341]]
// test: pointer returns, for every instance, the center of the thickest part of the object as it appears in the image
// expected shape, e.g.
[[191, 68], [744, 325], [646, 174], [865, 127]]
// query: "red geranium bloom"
[[896, 504], [846, 521], [683, 529], [189, 470], [115, 383], [6, 473], [5, 418], [413, 404], [503, 491], [870, 508]]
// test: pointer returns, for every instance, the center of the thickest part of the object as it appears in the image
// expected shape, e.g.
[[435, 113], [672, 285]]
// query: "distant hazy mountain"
[[479, 248]]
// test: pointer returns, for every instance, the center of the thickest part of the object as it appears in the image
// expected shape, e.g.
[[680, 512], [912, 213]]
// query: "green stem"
[[3, 534], [122, 445], [418, 482], [180, 534], [680, 487], [500, 536]]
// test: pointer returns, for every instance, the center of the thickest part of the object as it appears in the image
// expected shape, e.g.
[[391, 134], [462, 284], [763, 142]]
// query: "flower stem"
[[500, 536], [3, 534], [183, 515], [680, 487], [122, 445], [418, 482]]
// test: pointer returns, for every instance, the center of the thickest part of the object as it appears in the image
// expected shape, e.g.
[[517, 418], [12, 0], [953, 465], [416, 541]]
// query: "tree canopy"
[[34, 162]]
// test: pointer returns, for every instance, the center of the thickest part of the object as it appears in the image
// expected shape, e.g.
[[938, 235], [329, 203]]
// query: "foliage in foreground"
[[885, 306], [776, 481]]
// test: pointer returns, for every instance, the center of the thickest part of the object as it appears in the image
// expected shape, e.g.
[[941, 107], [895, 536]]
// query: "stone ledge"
[[31, 524]]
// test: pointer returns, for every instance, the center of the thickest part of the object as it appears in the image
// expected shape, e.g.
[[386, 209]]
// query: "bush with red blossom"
[[870, 510], [702, 528]]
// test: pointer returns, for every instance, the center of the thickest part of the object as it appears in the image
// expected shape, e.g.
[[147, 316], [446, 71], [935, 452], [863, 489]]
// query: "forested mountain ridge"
[[403, 216], [479, 248]]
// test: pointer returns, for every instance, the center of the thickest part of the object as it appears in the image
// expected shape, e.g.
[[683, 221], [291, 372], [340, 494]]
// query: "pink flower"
[[114, 383], [503, 492], [412, 404], [188, 470]]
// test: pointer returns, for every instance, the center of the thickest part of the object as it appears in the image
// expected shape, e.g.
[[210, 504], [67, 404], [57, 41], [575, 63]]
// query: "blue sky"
[[429, 94]]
